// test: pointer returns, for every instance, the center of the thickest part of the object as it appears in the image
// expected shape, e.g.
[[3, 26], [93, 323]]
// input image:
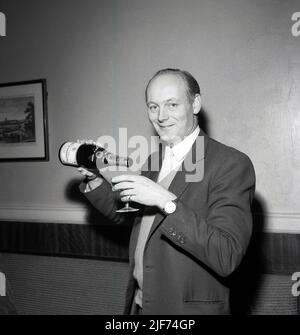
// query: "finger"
[[124, 177], [82, 171], [99, 143], [128, 198], [127, 193], [85, 172], [85, 141], [90, 142], [123, 186]]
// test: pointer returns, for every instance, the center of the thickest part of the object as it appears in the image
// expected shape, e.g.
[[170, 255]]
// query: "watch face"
[[170, 207]]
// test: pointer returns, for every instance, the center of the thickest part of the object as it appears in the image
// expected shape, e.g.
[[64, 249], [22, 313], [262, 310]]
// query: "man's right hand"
[[92, 180], [86, 173]]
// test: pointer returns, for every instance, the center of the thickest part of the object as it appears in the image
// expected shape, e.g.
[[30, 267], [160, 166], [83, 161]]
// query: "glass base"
[[127, 209]]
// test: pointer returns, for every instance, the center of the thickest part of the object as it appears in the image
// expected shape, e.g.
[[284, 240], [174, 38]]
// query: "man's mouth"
[[165, 125]]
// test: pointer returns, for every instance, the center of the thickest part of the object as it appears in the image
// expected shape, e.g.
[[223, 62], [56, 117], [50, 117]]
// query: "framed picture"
[[23, 121]]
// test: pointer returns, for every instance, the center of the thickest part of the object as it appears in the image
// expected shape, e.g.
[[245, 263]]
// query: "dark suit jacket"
[[188, 253]]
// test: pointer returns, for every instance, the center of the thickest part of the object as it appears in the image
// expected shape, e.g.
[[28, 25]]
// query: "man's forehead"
[[168, 79], [167, 82]]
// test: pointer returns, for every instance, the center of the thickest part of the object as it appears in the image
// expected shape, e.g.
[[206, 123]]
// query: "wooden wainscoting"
[[261, 285], [66, 240]]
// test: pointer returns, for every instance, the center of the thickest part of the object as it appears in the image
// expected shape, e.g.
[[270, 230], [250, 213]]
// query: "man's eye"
[[153, 108], [173, 105]]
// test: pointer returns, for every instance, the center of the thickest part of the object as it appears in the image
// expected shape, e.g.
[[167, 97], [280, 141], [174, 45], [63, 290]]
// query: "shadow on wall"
[[203, 120], [246, 280]]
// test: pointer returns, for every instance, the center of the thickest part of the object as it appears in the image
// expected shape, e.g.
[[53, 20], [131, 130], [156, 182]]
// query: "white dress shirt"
[[174, 156]]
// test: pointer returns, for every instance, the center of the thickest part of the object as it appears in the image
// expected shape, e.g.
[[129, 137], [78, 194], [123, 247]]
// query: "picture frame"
[[24, 121]]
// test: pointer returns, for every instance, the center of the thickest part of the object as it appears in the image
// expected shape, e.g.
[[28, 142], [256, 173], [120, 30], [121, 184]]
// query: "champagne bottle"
[[89, 156]]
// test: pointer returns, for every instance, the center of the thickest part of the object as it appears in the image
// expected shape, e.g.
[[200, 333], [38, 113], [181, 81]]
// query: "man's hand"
[[142, 190], [93, 181], [86, 173]]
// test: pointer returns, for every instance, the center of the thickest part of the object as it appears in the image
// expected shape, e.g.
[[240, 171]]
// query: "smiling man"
[[190, 234], [172, 108]]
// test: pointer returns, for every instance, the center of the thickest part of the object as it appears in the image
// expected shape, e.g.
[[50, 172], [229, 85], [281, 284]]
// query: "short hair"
[[192, 85]]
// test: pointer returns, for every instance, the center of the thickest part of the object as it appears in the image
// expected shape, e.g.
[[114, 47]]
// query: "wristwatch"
[[170, 207]]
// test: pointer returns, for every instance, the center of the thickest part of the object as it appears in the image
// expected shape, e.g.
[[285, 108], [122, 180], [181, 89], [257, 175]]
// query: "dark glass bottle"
[[88, 155]]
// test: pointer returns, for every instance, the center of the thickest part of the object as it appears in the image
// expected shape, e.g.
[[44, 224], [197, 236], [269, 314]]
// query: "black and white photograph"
[[150, 161]]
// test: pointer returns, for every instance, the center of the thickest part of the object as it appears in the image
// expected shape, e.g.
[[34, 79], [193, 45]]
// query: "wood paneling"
[[110, 242], [267, 253]]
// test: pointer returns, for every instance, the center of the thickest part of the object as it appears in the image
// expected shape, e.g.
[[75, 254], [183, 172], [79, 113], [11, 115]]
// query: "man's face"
[[169, 109]]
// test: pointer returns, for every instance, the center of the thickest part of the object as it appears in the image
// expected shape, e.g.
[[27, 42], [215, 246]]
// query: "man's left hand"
[[142, 190]]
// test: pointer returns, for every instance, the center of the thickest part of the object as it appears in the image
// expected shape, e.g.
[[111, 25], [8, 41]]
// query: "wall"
[[97, 57]]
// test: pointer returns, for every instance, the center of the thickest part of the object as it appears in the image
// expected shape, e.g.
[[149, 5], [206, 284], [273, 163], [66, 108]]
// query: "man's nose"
[[163, 114]]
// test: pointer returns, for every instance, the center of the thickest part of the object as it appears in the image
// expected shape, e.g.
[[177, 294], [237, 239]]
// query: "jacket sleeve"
[[105, 200], [220, 239]]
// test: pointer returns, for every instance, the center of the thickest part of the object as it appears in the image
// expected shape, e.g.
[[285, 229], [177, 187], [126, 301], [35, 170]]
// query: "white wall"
[[97, 57]]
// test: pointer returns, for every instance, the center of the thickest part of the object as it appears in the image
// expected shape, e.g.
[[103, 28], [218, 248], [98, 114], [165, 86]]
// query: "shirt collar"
[[181, 149]]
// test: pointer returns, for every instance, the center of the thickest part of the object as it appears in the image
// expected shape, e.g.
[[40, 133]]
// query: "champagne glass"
[[111, 171], [127, 208]]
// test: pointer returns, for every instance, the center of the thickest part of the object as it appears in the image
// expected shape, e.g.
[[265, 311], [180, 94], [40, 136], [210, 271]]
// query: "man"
[[190, 235]]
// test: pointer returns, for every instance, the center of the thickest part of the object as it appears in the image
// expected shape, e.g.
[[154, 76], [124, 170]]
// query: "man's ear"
[[197, 103]]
